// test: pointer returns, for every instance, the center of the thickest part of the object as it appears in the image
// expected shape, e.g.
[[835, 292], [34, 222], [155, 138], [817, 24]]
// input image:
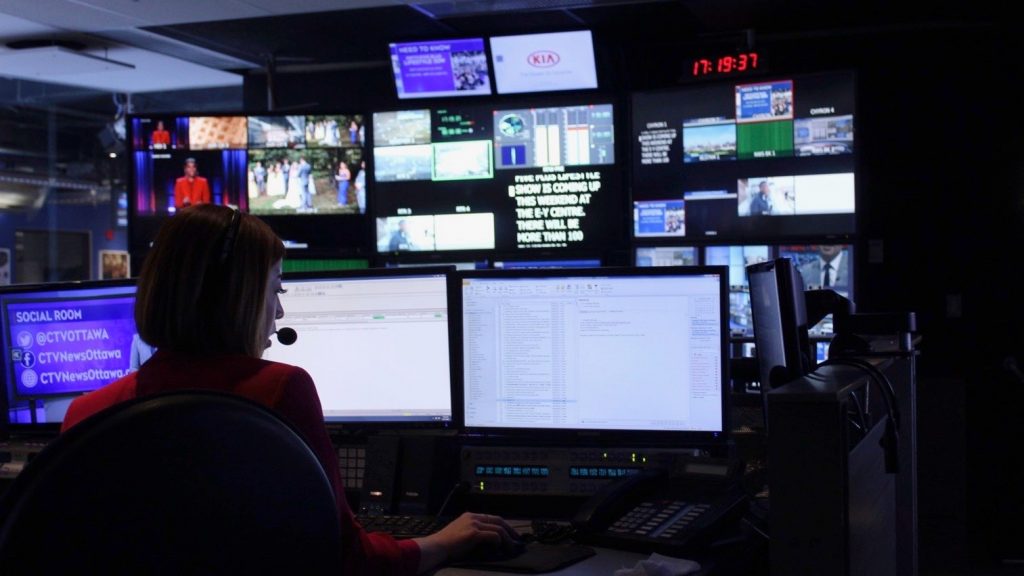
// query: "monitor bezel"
[[674, 439], [39, 428], [336, 425]]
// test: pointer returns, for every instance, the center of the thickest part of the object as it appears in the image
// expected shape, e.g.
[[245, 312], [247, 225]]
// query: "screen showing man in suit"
[[828, 268]]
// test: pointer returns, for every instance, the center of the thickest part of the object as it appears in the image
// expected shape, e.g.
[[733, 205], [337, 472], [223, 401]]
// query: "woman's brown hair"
[[203, 284]]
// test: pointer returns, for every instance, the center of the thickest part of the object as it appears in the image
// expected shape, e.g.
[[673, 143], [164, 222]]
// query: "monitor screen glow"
[[544, 62], [375, 343], [470, 176], [619, 352], [62, 340], [438, 68], [727, 161]]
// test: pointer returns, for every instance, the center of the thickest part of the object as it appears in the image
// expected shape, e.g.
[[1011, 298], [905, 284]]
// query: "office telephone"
[[662, 511]]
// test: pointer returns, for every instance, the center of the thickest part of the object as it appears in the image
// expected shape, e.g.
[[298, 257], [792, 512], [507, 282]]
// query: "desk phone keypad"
[[352, 463], [659, 519]]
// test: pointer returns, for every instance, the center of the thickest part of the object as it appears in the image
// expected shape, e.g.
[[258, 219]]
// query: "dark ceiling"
[[357, 37]]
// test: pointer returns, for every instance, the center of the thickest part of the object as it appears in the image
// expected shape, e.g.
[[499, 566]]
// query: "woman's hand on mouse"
[[462, 535]]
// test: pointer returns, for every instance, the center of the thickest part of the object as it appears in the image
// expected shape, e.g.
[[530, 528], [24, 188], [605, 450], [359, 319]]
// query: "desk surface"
[[606, 561], [739, 551]]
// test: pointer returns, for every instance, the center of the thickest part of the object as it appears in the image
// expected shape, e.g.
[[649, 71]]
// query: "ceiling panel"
[[151, 71], [341, 36], [100, 15], [14, 28]]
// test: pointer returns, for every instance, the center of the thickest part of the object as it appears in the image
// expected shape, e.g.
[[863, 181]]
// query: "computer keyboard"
[[402, 526]]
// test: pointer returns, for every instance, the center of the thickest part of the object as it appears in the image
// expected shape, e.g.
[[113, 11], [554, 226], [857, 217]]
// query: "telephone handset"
[[612, 499], [654, 510]]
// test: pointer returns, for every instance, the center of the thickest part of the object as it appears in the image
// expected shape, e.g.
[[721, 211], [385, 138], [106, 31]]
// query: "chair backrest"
[[179, 483]]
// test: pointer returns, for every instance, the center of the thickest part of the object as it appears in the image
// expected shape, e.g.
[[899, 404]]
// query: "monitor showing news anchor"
[[284, 168], [170, 180], [823, 266]]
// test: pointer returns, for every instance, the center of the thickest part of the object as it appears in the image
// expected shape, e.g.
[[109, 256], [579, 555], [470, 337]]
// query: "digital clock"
[[731, 64]]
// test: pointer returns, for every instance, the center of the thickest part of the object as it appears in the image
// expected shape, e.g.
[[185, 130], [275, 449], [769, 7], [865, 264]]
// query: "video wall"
[[490, 177], [752, 159], [757, 161]]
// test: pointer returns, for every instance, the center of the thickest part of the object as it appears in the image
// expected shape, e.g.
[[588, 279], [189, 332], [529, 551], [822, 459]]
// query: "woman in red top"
[[160, 138], [207, 299]]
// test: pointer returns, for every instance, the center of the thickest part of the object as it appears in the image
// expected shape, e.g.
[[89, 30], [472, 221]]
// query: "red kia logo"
[[543, 59]]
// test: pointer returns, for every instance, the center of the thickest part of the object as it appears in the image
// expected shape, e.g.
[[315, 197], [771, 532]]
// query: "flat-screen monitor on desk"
[[780, 322], [60, 341], [376, 343], [607, 354]]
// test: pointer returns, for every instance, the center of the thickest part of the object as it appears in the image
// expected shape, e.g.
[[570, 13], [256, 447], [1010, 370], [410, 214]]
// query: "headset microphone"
[[287, 336]]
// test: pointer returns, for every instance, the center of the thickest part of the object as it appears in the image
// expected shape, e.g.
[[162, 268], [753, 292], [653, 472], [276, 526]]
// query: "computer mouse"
[[489, 552], [517, 547]]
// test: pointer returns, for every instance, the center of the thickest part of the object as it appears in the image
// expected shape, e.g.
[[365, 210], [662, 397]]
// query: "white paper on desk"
[[658, 565]]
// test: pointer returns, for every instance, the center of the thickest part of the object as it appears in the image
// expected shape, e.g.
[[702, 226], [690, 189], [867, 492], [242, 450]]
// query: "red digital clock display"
[[724, 65]]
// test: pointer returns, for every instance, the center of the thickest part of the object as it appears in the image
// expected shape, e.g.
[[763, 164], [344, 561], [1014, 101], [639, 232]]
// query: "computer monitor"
[[376, 343], [61, 340], [601, 354], [780, 322]]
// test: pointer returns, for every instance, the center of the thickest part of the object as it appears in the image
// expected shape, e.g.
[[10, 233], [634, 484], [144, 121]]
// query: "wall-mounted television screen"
[[544, 62], [751, 160], [823, 266], [435, 68], [485, 177], [666, 256], [737, 258], [285, 168]]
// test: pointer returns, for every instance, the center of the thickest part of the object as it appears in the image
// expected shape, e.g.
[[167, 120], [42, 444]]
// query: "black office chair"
[[178, 483]]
